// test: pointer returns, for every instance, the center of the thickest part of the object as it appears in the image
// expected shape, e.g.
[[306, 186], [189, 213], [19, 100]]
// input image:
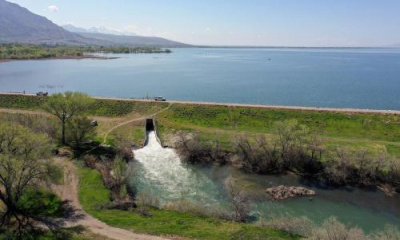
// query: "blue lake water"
[[356, 78]]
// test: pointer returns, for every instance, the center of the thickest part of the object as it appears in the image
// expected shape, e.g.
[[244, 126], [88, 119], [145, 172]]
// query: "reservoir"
[[355, 78]]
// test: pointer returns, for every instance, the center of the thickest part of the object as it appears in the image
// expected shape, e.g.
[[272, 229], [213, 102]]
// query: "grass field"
[[375, 133], [163, 222], [101, 107]]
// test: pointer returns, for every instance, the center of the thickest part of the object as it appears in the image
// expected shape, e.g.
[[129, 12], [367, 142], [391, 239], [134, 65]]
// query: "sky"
[[307, 23]]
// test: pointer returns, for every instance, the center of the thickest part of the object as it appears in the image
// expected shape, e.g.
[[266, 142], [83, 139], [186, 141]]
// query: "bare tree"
[[389, 233], [239, 202], [332, 229]]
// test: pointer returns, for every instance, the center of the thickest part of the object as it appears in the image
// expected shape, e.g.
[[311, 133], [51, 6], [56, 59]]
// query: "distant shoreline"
[[289, 47], [4, 60]]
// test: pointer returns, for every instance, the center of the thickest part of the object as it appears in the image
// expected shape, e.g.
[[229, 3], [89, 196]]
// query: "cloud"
[[208, 29], [53, 8]]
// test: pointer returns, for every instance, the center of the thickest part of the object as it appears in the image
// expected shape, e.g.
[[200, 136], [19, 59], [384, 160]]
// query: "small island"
[[285, 192], [28, 52]]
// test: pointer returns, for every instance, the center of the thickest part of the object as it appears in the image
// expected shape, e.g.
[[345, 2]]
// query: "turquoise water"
[[161, 173], [357, 78]]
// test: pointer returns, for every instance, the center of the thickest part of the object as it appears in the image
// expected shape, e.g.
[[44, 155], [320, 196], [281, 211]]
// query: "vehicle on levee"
[[162, 99], [42, 94]]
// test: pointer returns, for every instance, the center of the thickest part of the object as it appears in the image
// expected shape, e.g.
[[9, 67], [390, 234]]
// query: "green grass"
[[367, 126], [375, 133], [113, 108], [101, 107], [163, 222], [21, 102]]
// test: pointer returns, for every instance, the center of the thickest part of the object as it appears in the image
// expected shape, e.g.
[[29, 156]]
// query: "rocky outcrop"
[[284, 192]]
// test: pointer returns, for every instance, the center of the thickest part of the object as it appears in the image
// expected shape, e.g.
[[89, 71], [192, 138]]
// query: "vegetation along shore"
[[23, 51], [337, 148]]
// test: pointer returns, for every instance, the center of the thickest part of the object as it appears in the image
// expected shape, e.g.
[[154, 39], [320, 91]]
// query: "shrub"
[[147, 199], [296, 226], [334, 230], [193, 150]]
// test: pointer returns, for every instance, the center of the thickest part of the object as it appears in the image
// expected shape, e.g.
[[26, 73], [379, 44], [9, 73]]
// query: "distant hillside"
[[19, 25], [109, 39], [103, 30], [116, 38]]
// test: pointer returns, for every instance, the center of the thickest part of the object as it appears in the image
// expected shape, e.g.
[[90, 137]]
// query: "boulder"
[[284, 192]]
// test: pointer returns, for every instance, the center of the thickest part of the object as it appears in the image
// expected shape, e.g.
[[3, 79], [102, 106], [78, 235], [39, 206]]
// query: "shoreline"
[[93, 57], [260, 106]]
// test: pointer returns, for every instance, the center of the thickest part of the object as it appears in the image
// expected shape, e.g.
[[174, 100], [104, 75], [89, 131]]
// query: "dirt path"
[[21, 111], [69, 192], [133, 120]]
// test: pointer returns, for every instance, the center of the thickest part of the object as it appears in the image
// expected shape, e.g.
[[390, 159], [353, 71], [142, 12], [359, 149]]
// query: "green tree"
[[290, 134], [66, 106], [120, 173], [25, 166], [80, 130]]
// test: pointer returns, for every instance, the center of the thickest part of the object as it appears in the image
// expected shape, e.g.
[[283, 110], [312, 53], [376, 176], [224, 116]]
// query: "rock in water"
[[284, 192]]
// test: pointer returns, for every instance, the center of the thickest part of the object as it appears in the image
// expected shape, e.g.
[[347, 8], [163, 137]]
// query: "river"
[[353, 78], [161, 173]]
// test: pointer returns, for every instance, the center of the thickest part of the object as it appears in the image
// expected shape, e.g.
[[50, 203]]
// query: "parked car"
[[163, 99], [44, 94]]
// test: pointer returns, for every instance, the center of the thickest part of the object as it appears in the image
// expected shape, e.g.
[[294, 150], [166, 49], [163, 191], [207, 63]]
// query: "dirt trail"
[[69, 192], [133, 120]]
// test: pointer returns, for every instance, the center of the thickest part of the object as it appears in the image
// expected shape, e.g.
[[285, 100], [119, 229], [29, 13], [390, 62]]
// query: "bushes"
[[294, 148], [110, 108], [21, 101], [116, 108], [297, 226], [331, 229], [193, 150], [37, 123]]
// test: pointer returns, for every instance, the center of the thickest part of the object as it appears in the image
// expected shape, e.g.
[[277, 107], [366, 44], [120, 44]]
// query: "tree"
[[66, 106], [120, 174], [239, 202], [290, 134], [80, 130], [24, 167]]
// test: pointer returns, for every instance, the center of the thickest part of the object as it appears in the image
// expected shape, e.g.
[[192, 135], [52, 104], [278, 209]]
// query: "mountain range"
[[101, 30], [19, 25]]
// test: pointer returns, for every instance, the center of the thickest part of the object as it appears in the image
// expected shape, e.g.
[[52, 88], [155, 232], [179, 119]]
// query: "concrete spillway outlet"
[[149, 125]]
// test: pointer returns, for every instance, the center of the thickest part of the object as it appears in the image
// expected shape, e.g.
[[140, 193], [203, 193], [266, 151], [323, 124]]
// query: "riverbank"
[[92, 193]]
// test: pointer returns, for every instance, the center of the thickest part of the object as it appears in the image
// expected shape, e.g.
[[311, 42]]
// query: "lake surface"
[[161, 173], [356, 78]]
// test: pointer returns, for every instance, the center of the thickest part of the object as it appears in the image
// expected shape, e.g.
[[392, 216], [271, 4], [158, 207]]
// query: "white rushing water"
[[162, 173]]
